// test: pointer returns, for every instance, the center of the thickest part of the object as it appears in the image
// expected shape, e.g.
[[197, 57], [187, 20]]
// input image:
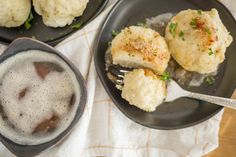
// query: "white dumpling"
[[198, 40], [59, 13], [139, 47], [14, 13], [143, 89]]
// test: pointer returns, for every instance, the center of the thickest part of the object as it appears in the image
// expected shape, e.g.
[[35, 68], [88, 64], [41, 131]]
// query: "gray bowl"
[[24, 44]]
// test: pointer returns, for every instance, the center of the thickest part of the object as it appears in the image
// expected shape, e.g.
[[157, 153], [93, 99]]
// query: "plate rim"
[[103, 81], [56, 41]]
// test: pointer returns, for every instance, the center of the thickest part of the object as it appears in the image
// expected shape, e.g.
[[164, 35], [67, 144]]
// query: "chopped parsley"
[[50, 38], [62, 33], [172, 28], [27, 22], [210, 52], [210, 80], [132, 55], [193, 23], [114, 33], [77, 25], [181, 35], [109, 43], [141, 24], [199, 12], [165, 76], [208, 31]]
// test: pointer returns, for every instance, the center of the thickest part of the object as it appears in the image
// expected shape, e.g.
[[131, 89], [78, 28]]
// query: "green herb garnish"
[[172, 28], [62, 33], [132, 55], [193, 23], [50, 38], [141, 24], [210, 80], [165, 76], [114, 33], [208, 31], [210, 52], [181, 35], [77, 25], [199, 12], [155, 53], [27, 22]]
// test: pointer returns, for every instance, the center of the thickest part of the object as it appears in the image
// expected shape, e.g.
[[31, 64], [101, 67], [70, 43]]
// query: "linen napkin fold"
[[104, 131]]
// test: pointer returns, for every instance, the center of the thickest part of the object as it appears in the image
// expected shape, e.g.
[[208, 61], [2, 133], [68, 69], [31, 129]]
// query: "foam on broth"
[[30, 96]]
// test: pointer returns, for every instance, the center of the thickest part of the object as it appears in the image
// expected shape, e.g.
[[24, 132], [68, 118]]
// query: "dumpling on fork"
[[139, 47], [143, 89]]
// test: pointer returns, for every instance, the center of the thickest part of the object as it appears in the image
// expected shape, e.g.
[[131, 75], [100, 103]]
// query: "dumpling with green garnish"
[[198, 40]]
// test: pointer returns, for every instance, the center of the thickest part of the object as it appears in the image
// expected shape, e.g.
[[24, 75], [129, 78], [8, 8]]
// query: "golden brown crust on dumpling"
[[140, 47]]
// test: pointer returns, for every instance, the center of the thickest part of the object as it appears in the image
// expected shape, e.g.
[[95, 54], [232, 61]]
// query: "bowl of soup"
[[42, 97]]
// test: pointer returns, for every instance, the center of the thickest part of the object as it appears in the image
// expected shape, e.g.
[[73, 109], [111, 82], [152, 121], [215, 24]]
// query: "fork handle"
[[226, 102]]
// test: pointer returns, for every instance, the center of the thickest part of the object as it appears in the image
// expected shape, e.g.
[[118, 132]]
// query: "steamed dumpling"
[[143, 89], [198, 40], [14, 13], [58, 13]]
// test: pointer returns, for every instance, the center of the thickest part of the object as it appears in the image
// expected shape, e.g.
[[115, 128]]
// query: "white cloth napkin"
[[104, 131]]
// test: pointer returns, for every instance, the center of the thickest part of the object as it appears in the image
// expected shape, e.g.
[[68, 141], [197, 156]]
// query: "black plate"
[[183, 112], [50, 35]]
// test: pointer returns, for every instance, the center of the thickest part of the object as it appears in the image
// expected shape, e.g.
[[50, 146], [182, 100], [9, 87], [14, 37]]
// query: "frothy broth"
[[39, 96]]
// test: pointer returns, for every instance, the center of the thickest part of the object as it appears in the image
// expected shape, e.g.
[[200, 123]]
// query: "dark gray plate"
[[51, 35], [183, 112]]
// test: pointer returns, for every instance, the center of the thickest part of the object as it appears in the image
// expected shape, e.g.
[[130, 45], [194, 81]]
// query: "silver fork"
[[174, 91], [119, 73]]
